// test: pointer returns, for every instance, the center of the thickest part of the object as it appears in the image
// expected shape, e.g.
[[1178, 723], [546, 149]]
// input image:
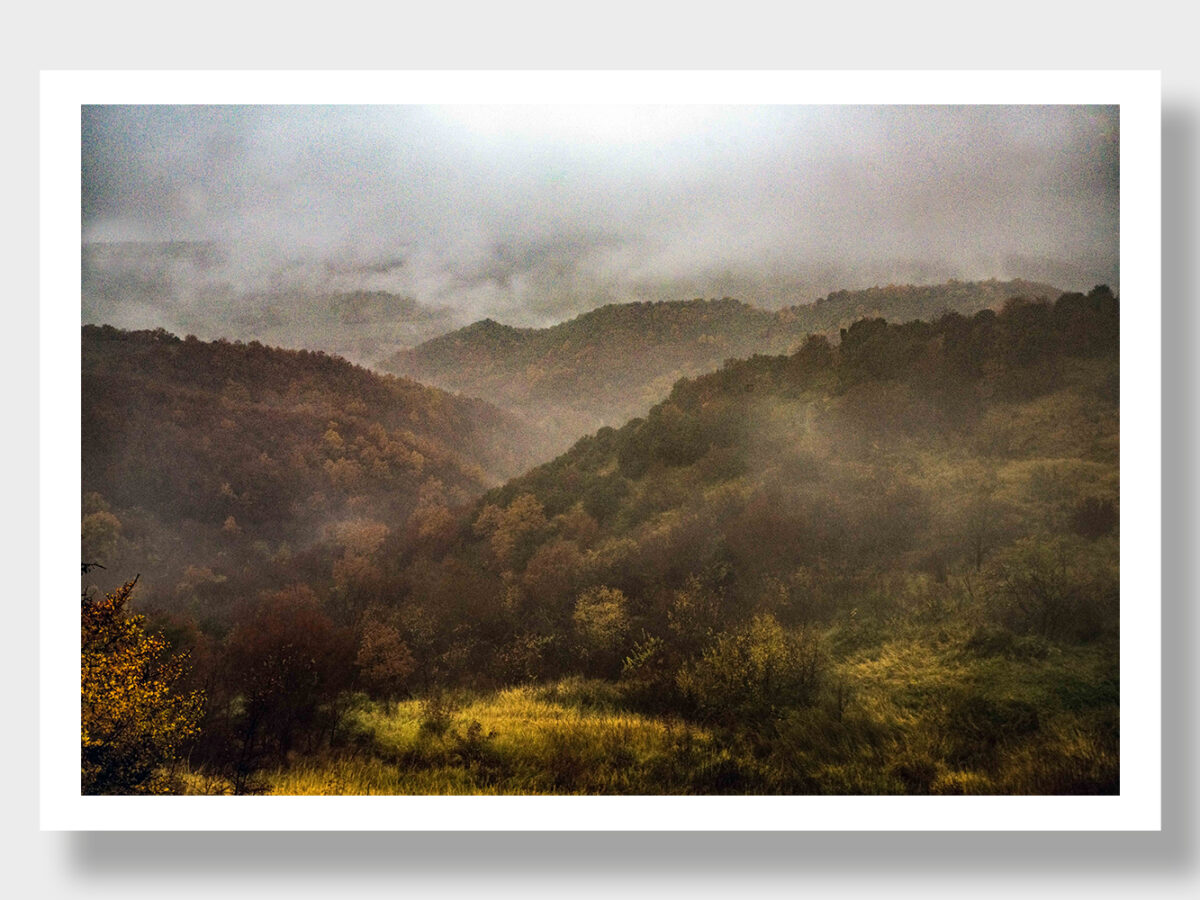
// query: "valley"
[[882, 562]]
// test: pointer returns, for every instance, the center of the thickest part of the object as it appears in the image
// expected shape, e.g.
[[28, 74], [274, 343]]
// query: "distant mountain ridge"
[[210, 290], [614, 362], [904, 303]]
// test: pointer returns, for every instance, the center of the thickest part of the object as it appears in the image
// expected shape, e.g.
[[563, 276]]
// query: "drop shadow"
[[1173, 851]]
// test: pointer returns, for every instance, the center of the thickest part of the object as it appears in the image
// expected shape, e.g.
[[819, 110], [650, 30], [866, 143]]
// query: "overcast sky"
[[533, 214]]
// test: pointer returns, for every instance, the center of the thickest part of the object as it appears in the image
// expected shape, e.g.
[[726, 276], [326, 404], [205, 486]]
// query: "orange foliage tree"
[[133, 716]]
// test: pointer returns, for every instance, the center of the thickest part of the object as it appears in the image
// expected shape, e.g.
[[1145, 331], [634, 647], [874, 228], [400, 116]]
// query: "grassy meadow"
[[936, 707]]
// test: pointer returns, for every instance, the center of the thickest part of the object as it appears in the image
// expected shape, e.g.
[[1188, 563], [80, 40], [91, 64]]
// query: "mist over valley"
[[600, 450]]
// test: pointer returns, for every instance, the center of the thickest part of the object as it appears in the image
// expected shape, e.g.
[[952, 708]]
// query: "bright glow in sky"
[[587, 124], [534, 213]]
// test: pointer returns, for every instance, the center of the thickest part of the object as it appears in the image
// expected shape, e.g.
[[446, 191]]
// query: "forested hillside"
[[613, 363], [924, 449], [213, 467], [421, 502], [883, 564]]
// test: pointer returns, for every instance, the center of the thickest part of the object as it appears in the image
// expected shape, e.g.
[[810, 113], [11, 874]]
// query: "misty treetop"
[[615, 362], [847, 455]]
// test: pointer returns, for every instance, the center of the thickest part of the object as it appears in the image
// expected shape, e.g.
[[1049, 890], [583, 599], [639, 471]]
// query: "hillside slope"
[[222, 457], [613, 363], [923, 446], [885, 564]]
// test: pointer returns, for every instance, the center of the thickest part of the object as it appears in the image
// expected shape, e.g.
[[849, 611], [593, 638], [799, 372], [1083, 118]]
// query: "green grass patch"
[[565, 738], [920, 714]]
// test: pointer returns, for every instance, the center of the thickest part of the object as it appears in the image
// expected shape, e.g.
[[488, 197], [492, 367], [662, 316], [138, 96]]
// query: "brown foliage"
[[287, 659], [384, 661]]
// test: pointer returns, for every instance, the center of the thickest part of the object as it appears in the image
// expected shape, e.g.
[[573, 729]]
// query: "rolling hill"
[[226, 459], [886, 563], [883, 565], [615, 362]]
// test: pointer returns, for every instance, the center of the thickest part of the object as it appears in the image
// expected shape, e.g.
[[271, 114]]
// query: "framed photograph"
[[601, 451]]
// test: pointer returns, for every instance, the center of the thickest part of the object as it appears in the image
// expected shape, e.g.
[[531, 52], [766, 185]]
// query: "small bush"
[[1059, 589], [526, 658], [601, 624], [475, 750], [648, 677], [437, 715], [754, 673]]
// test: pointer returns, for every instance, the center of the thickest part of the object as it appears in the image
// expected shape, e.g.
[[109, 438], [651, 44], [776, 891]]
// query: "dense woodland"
[[209, 464], [885, 561], [613, 363]]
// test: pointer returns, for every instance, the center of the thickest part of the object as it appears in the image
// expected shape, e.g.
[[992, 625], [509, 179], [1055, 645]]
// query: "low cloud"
[[535, 217]]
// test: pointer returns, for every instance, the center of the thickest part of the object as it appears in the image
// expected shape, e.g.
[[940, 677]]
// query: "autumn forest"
[[600, 450], [881, 561]]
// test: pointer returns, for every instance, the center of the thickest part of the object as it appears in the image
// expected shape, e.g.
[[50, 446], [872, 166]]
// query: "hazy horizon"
[[532, 215]]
